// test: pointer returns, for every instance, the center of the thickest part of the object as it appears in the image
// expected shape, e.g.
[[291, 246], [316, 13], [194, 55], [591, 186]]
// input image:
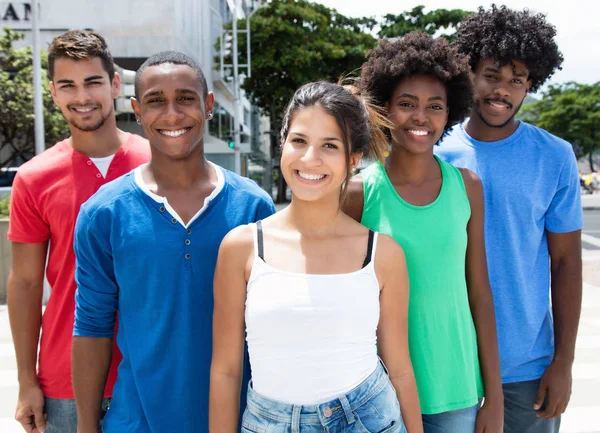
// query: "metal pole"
[[38, 102], [237, 103]]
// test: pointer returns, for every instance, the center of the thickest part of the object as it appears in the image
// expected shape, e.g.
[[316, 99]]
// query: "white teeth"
[[173, 133], [83, 110], [417, 132], [309, 176], [495, 104]]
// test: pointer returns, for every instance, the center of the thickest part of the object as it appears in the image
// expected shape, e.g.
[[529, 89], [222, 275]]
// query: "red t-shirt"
[[45, 200]]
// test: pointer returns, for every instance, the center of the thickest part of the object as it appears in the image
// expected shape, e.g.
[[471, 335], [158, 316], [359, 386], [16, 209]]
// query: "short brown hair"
[[79, 45]]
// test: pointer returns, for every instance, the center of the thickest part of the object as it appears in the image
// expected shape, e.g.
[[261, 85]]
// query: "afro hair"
[[419, 54], [506, 35]]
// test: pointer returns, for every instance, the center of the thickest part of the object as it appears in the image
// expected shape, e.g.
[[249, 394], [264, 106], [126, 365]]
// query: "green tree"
[[570, 111], [293, 43], [434, 22], [17, 137]]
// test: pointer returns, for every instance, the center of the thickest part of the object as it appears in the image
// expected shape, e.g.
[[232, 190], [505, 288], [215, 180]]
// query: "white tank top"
[[311, 337]]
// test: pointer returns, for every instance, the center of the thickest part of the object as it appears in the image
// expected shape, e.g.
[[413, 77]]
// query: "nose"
[[172, 112], [501, 92], [312, 156], [420, 116], [82, 95]]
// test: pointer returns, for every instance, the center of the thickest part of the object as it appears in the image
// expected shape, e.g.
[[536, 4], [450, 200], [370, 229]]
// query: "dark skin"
[[420, 104], [173, 108], [510, 84]]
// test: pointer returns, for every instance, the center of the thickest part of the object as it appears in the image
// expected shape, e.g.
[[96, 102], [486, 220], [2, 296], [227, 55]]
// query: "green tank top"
[[442, 337]]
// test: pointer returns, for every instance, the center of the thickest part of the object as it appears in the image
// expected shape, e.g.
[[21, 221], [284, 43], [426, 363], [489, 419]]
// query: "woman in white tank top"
[[315, 293]]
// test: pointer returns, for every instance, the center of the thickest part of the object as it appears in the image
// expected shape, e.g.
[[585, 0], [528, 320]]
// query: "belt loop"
[[296, 419], [347, 409]]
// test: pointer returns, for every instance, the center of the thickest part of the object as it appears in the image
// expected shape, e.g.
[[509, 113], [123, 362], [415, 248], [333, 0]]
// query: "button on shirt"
[[132, 258]]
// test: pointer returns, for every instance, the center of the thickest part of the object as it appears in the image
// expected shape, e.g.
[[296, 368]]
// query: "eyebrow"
[[514, 71], [92, 78], [409, 96], [324, 138], [160, 92]]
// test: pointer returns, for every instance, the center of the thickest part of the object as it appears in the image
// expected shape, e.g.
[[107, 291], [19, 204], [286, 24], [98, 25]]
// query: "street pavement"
[[582, 416]]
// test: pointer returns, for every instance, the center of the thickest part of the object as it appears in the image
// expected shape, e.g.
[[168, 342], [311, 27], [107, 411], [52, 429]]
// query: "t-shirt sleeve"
[[565, 213], [96, 299], [26, 223], [265, 209]]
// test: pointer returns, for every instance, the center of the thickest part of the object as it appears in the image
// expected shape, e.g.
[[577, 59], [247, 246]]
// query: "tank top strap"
[[371, 247], [258, 240]]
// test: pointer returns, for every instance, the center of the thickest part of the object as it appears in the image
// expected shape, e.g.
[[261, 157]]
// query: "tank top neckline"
[[412, 206], [257, 259]]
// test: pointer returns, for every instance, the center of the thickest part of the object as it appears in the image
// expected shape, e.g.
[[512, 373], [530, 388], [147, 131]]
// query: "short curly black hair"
[[506, 35], [419, 54]]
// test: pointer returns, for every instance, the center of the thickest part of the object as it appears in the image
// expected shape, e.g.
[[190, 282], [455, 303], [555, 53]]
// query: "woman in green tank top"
[[435, 212]]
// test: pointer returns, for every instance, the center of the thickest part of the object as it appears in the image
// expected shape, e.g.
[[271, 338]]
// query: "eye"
[[94, 83], [298, 140], [517, 81], [437, 107], [405, 104], [66, 86], [490, 77], [187, 98], [153, 101], [331, 146]]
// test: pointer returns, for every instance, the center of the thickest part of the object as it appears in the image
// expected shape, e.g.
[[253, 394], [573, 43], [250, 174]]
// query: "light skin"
[[173, 107], [510, 83], [313, 236], [419, 108], [84, 92]]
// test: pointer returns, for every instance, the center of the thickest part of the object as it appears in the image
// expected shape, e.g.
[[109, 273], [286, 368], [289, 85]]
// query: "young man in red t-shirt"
[[46, 196]]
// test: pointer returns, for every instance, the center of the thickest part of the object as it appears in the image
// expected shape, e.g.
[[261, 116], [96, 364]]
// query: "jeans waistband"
[[324, 413]]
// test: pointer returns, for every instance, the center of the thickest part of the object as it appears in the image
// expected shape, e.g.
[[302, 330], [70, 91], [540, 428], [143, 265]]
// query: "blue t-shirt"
[[531, 187], [135, 258]]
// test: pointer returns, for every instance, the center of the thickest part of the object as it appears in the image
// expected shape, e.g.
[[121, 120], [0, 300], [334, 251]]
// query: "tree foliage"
[[17, 137], [439, 22], [570, 111], [296, 42]]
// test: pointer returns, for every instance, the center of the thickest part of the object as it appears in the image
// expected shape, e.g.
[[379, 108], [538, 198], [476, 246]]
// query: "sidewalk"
[[581, 417]]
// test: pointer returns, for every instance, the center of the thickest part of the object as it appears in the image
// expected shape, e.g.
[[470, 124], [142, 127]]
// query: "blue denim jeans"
[[62, 415], [454, 421], [371, 407], [519, 415]]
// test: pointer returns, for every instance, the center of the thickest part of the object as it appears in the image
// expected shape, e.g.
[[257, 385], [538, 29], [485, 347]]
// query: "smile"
[[83, 110], [498, 105], [174, 134], [417, 132], [309, 176]]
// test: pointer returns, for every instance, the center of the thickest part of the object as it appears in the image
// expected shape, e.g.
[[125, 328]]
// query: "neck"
[[314, 219], [477, 129], [169, 173], [405, 167], [102, 142]]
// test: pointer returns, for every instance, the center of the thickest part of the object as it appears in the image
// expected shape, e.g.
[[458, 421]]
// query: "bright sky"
[[576, 21]]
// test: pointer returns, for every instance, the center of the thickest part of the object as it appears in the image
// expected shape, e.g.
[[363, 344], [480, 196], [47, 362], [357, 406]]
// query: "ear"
[[355, 159], [137, 108], [528, 85], [53, 91], [209, 103], [116, 85]]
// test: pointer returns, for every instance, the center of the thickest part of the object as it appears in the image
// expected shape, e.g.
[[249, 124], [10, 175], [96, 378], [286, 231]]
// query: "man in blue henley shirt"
[[533, 215], [146, 247]]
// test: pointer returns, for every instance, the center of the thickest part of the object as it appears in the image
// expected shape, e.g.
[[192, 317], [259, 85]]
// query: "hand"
[[555, 386], [30, 409], [490, 418]]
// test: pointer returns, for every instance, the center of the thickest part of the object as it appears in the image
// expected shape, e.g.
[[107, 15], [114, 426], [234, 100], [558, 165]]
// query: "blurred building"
[[136, 29]]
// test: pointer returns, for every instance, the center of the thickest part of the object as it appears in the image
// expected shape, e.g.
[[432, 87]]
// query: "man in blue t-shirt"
[[146, 247], [533, 213]]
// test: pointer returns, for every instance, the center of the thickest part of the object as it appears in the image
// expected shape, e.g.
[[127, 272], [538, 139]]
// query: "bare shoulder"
[[354, 202], [389, 252], [472, 183], [240, 240]]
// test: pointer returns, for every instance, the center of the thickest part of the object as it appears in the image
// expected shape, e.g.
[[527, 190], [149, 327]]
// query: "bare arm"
[[354, 203], [25, 291], [392, 333], [228, 330], [490, 417], [566, 287], [90, 365]]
